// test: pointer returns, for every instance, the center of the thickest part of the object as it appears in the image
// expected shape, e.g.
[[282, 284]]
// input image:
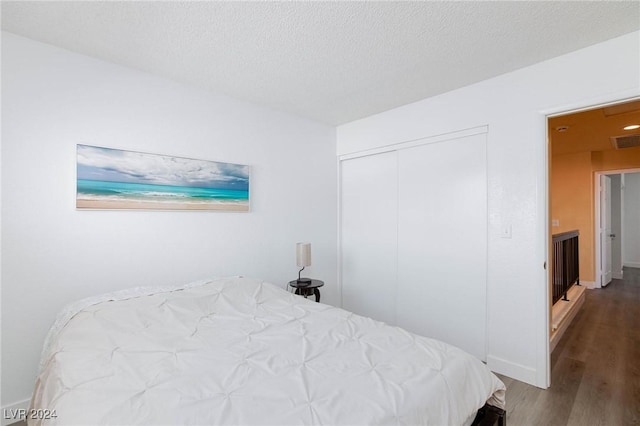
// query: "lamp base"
[[303, 281]]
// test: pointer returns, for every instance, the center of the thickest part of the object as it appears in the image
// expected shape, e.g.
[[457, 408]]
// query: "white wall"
[[514, 107], [52, 253], [631, 220]]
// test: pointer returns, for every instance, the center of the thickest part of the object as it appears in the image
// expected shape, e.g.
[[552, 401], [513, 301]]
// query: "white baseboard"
[[513, 370], [618, 275], [588, 284], [11, 412], [632, 264]]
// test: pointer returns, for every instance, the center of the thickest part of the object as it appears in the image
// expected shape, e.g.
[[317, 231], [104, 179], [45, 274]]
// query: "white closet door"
[[369, 191], [442, 242]]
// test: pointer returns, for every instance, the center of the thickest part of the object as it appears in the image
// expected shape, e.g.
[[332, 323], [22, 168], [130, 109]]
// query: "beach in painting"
[[116, 179]]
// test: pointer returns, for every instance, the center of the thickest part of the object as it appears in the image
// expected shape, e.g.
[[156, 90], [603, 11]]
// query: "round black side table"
[[307, 290]]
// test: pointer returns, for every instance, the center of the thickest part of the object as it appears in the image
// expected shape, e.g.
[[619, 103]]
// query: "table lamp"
[[303, 259]]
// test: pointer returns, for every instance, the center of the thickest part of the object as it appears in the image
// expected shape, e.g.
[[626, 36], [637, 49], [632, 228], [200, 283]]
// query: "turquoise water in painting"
[[105, 190]]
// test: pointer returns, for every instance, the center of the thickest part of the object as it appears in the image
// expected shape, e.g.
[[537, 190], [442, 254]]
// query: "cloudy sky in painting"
[[115, 165]]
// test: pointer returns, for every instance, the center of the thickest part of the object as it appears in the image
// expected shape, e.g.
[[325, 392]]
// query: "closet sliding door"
[[369, 235], [414, 238], [442, 241]]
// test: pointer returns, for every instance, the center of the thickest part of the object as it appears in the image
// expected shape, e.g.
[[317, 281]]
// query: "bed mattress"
[[240, 351]]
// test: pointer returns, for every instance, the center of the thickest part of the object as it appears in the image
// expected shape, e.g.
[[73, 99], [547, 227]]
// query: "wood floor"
[[595, 369]]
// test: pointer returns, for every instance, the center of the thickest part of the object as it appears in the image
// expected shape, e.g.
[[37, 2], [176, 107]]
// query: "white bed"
[[240, 351]]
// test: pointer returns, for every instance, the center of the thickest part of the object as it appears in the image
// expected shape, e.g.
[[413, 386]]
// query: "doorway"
[[615, 230], [582, 150], [579, 144]]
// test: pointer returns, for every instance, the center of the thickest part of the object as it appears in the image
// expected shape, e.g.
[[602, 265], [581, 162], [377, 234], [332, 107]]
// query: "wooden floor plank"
[[595, 368]]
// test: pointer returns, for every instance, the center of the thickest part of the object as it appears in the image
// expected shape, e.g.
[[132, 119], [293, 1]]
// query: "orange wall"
[[628, 158], [571, 201], [572, 193]]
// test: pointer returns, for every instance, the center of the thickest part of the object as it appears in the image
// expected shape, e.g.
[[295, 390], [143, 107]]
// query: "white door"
[[442, 242], [606, 235], [616, 226], [369, 235]]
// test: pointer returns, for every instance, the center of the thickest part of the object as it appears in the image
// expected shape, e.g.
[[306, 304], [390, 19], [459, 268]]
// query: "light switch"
[[555, 223]]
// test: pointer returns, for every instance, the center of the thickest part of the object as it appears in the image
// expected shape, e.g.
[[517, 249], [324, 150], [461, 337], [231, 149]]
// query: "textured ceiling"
[[329, 61]]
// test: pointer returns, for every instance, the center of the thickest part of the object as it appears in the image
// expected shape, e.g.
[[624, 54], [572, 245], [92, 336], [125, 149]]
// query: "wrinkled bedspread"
[[244, 352]]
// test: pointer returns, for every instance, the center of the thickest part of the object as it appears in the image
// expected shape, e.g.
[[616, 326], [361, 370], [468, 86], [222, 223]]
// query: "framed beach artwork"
[[115, 179]]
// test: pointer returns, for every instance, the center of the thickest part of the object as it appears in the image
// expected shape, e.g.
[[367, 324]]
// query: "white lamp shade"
[[303, 254]]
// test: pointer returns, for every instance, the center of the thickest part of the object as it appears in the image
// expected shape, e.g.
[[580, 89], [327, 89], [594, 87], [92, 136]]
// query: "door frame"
[[543, 298], [596, 212]]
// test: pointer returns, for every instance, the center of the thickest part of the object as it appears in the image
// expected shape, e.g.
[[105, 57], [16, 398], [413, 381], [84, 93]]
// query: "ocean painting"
[[115, 179]]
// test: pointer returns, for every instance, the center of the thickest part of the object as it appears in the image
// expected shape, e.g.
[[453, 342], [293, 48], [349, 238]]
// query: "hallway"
[[595, 369]]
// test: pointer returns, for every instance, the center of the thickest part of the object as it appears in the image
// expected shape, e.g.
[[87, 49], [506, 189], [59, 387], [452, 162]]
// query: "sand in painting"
[[151, 205]]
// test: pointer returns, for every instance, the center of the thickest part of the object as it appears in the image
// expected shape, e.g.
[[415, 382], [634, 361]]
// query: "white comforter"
[[241, 351]]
